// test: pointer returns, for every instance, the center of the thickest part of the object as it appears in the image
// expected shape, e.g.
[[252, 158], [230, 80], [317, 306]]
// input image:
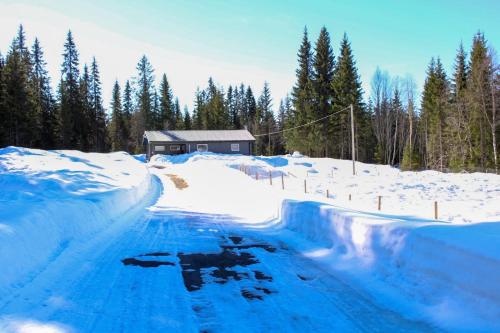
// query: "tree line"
[[454, 126]]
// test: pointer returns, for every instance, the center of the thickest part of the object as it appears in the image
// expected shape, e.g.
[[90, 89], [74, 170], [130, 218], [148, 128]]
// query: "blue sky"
[[248, 41]]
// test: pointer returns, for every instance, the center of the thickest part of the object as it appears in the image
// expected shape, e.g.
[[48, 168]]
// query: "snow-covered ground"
[[447, 270], [51, 199], [104, 243]]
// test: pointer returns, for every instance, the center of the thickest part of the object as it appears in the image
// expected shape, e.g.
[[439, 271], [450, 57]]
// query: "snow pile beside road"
[[450, 272], [49, 199]]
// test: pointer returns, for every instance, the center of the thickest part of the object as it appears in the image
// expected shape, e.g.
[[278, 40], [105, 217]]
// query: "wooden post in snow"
[[327, 193], [305, 186], [270, 178], [435, 210], [256, 175], [282, 182], [349, 196], [379, 202]]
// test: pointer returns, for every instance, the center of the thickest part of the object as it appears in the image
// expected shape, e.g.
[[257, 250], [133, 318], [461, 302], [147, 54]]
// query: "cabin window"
[[159, 148], [175, 147], [235, 147], [202, 147]]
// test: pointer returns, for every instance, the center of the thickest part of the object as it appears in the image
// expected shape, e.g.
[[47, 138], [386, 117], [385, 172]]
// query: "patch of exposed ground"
[[179, 182]]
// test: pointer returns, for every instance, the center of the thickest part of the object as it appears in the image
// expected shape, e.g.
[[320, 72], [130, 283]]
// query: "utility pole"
[[352, 141]]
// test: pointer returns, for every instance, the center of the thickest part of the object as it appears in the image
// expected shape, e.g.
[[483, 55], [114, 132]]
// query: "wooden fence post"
[[256, 175], [282, 182], [271, 178], [349, 196], [435, 210], [327, 193], [379, 202], [305, 186]]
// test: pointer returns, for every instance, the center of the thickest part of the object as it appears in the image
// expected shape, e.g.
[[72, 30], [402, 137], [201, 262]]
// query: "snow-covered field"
[[74, 227]]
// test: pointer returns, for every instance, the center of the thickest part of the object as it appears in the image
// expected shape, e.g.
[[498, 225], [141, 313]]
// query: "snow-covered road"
[[179, 269]]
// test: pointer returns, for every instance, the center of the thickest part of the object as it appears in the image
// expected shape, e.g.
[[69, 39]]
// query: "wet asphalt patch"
[[221, 266], [146, 263], [236, 239], [192, 264]]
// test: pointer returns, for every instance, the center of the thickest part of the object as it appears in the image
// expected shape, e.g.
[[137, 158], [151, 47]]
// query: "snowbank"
[[450, 272], [49, 199]]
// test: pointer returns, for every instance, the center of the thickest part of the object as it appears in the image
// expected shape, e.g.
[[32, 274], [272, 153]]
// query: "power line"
[[306, 124]]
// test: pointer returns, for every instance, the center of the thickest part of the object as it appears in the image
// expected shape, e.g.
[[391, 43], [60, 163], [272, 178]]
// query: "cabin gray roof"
[[198, 135]]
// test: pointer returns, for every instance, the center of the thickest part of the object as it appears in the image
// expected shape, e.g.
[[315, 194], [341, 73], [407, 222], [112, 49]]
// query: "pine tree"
[[71, 116], [43, 99], [323, 66], [118, 133]]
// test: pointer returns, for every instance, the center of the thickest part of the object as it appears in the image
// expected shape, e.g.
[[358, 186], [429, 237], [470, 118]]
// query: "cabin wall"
[[245, 147]]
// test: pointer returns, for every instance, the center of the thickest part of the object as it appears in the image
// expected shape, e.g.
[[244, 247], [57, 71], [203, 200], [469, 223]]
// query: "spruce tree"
[[302, 95], [241, 106], [20, 113], [167, 114], [99, 123], [232, 106], [3, 106], [71, 116], [155, 112], [250, 110], [128, 109], [43, 99], [179, 118], [88, 111], [458, 119], [346, 90], [187, 119], [264, 122], [482, 106], [434, 108], [323, 65], [118, 133], [143, 120]]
